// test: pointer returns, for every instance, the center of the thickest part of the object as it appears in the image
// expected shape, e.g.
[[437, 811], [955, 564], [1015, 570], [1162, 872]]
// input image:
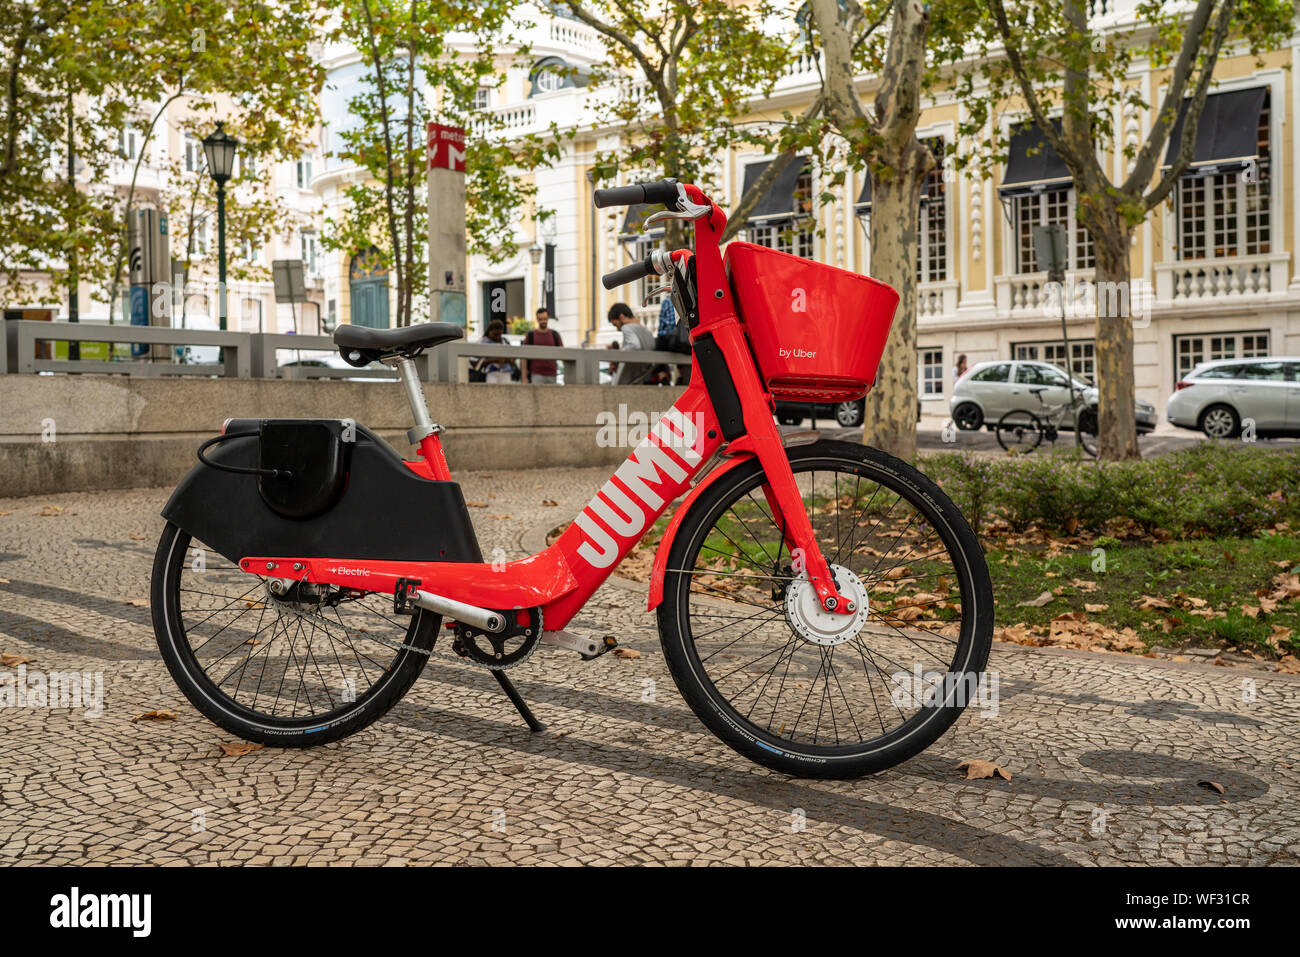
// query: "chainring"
[[504, 649]]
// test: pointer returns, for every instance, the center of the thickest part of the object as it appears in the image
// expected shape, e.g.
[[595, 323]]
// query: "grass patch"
[[1225, 574]]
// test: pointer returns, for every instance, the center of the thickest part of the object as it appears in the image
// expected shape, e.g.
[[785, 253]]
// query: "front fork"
[[763, 438]]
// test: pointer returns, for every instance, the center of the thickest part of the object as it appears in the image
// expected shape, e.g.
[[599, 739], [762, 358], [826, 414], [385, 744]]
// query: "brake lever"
[[686, 210], [655, 292]]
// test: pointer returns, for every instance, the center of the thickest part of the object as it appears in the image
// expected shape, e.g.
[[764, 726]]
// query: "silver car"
[[989, 390], [1221, 397]]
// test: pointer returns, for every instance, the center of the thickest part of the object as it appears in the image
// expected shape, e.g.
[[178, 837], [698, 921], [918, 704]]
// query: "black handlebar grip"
[[662, 191], [619, 196], [629, 273]]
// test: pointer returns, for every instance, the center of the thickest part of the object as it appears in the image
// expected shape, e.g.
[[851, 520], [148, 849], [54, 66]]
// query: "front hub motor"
[[813, 623]]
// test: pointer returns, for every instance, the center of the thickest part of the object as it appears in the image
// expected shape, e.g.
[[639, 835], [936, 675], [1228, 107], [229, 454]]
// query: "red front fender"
[[665, 546]]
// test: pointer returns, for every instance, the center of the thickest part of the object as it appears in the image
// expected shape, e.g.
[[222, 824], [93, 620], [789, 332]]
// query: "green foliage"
[[1209, 489], [680, 79], [109, 63], [406, 50]]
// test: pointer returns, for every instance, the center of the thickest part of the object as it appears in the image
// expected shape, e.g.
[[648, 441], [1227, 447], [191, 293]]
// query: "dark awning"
[[1032, 164], [863, 206], [1227, 136], [636, 214], [778, 201]]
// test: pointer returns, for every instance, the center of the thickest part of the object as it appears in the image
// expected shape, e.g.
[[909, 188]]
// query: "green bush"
[[1209, 489]]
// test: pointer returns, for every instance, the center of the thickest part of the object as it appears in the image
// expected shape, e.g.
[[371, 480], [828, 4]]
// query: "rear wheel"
[[1019, 431], [1220, 422], [798, 689], [849, 414], [303, 668], [968, 416]]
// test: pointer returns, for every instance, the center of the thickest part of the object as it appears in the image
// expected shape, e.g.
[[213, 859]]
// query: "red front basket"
[[818, 332]]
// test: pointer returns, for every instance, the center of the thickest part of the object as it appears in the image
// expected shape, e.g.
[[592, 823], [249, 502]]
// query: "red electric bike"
[[823, 607]]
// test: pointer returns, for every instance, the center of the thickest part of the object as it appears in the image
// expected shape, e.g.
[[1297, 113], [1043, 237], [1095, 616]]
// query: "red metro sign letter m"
[[446, 147]]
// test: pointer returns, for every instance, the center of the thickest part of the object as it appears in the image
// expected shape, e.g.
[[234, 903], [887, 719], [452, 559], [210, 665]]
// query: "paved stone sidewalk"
[[1106, 751]]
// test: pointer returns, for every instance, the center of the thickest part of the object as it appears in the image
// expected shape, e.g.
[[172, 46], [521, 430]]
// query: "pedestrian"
[[668, 338], [496, 370], [959, 369], [542, 371], [636, 337]]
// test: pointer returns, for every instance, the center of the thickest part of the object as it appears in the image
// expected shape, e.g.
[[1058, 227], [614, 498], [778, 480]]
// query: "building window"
[[128, 143], [307, 242], [932, 263], [1191, 351], [482, 98], [931, 366], [1223, 215], [1044, 209], [201, 239], [304, 173], [252, 251], [194, 158], [1083, 357]]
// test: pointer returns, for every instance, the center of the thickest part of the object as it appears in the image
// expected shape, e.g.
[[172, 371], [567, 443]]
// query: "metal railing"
[[276, 355]]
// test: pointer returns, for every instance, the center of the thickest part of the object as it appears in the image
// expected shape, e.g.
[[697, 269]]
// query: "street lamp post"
[[219, 148]]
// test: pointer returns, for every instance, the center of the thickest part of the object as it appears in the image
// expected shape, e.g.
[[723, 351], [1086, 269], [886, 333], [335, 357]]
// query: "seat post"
[[424, 424]]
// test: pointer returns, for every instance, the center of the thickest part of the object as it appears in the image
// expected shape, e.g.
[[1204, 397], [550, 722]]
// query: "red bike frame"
[[658, 471]]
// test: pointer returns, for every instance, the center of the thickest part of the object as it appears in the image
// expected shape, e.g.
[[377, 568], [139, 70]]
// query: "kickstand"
[[513, 694]]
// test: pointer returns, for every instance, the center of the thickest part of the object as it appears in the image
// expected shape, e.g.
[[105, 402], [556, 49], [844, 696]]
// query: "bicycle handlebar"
[[630, 272], [659, 191]]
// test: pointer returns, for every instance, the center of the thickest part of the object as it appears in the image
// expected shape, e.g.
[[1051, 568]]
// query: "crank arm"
[[587, 647]]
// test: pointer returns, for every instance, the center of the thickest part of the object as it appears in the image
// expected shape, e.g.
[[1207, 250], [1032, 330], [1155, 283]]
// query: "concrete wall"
[[127, 432]]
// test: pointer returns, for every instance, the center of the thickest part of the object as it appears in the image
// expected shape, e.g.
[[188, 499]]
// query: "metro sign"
[[446, 147]]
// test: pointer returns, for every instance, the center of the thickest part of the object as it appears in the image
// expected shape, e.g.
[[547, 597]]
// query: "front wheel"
[[803, 691], [1019, 431], [1085, 427]]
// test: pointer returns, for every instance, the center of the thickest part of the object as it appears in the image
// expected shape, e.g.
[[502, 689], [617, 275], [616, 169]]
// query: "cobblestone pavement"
[[1106, 751]]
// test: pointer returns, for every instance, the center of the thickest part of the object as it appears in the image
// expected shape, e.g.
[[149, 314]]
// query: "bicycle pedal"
[[588, 648]]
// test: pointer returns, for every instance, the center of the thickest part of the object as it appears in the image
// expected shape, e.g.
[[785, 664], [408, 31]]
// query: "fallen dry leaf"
[[1089, 606], [1289, 665], [1210, 786], [163, 715], [1083, 584], [1038, 602], [13, 661], [234, 749], [626, 653], [138, 602], [549, 503], [136, 538], [1150, 601], [977, 768], [1250, 611], [477, 504]]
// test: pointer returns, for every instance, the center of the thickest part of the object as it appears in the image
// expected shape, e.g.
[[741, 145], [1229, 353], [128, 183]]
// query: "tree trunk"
[[1117, 427], [890, 421]]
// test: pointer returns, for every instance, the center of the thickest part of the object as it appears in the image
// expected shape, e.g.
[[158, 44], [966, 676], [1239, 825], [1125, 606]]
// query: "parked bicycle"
[[823, 607], [1022, 431]]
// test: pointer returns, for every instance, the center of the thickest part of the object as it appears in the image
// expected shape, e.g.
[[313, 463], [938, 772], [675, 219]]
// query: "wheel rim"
[[829, 695], [846, 414], [966, 417], [1019, 432], [1218, 423], [275, 662]]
